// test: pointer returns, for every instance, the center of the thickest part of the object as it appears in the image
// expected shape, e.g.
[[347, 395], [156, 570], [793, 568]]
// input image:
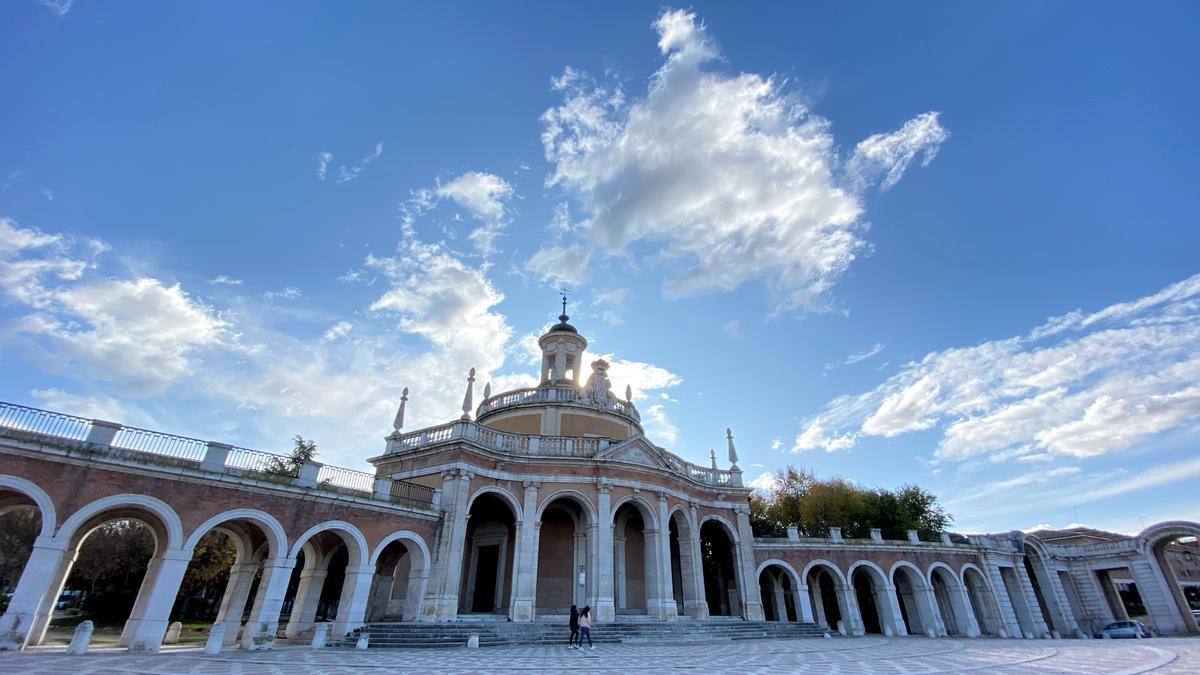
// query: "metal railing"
[[350, 479], [535, 395], [158, 443], [259, 462], [45, 422], [403, 491]]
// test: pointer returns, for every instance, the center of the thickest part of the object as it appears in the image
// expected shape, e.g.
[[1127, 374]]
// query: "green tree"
[[814, 505], [302, 452]]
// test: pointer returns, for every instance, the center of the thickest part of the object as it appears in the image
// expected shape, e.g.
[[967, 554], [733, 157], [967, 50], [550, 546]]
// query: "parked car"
[[1124, 629]]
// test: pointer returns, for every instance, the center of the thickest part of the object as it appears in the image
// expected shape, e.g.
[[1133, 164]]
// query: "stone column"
[[964, 614], [263, 623], [931, 616], [1163, 612], [751, 604], [620, 590], [888, 606], [308, 596], [441, 600], [525, 590], [1008, 615], [666, 581], [356, 593], [1040, 629], [780, 600], [700, 611], [851, 612], [139, 604], [148, 635], [652, 572], [35, 586], [816, 604], [1095, 607], [804, 606], [233, 602], [605, 609]]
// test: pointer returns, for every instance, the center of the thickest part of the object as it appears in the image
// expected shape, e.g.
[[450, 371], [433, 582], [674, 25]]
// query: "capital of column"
[[603, 486], [532, 484], [465, 475]]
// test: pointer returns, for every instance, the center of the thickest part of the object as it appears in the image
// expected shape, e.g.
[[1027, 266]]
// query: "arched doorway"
[[488, 556], [26, 513], [777, 591], [827, 593], [720, 573], [401, 572], [915, 600], [983, 601], [562, 551], [329, 581], [1161, 544], [636, 555], [952, 602], [875, 599]]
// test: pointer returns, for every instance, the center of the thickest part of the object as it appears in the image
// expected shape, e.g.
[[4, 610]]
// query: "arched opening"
[[634, 548], [778, 593], [867, 589], [112, 568], [827, 595], [221, 581], [912, 596], [398, 586], [561, 557], [316, 583], [983, 602], [20, 525], [1043, 591], [488, 557], [720, 573], [950, 602], [1175, 548]]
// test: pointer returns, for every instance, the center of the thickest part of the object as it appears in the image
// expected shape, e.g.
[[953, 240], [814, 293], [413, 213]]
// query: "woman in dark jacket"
[[574, 628]]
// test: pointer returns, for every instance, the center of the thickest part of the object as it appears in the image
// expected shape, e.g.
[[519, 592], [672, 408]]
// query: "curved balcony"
[[534, 396]]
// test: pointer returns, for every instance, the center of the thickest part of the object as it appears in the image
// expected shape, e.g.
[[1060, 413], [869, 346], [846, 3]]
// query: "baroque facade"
[[529, 502]]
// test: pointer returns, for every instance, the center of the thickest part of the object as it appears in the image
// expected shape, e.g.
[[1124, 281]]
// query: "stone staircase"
[[413, 635]]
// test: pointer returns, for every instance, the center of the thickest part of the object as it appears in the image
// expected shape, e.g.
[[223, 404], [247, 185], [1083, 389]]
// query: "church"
[[528, 502]]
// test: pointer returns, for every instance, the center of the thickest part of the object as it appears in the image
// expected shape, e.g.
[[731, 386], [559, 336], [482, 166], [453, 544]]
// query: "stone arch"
[[914, 597], [951, 601], [355, 542], [512, 501], [573, 495], [1163, 596], [786, 602], [876, 600], [730, 530], [400, 577], [172, 526], [1051, 603], [832, 603], [648, 512], [985, 608], [270, 527], [725, 589], [45, 505]]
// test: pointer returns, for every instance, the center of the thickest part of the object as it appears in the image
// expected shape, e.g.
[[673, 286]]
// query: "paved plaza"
[[860, 655]]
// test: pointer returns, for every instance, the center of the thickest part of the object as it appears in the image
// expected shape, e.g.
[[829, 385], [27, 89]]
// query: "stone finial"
[[487, 391], [732, 450], [398, 423], [466, 408], [173, 632], [628, 394], [713, 455]]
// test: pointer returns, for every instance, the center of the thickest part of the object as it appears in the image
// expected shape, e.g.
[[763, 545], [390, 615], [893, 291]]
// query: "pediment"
[[637, 450]]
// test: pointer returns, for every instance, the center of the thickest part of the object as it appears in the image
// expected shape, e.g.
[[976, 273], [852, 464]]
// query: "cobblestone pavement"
[[858, 655]]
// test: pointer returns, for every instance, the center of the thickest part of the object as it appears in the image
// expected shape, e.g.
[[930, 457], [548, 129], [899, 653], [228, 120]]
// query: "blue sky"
[[942, 243]]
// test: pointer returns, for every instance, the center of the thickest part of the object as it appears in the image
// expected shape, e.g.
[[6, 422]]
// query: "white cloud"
[[95, 407], [48, 194], [729, 175], [865, 354], [765, 481], [288, 293], [612, 296], [323, 160], [611, 318], [890, 154], [659, 426], [337, 330], [1080, 385], [733, 328], [485, 196], [349, 173], [643, 378], [556, 263], [221, 279], [59, 7]]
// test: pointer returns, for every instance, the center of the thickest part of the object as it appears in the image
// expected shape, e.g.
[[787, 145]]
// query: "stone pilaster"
[[700, 610], [37, 583], [751, 603], [604, 607], [441, 600], [666, 582], [233, 603], [263, 623], [308, 596], [525, 589], [148, 635]]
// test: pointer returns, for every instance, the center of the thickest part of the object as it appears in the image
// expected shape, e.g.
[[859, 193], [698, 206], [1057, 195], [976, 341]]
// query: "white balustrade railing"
[[535, 395]]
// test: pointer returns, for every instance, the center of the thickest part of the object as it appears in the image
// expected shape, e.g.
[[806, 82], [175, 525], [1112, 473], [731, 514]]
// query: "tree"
[[814, 505], [302, 453]]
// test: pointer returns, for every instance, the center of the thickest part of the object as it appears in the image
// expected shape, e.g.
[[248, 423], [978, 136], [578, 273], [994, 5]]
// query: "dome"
[[562, 325]]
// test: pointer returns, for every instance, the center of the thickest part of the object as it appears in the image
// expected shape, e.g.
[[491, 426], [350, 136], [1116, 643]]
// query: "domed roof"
[[563, 325]]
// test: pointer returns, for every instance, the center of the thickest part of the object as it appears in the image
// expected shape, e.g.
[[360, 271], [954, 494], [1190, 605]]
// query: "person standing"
[[585, 627], [574, 629]]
